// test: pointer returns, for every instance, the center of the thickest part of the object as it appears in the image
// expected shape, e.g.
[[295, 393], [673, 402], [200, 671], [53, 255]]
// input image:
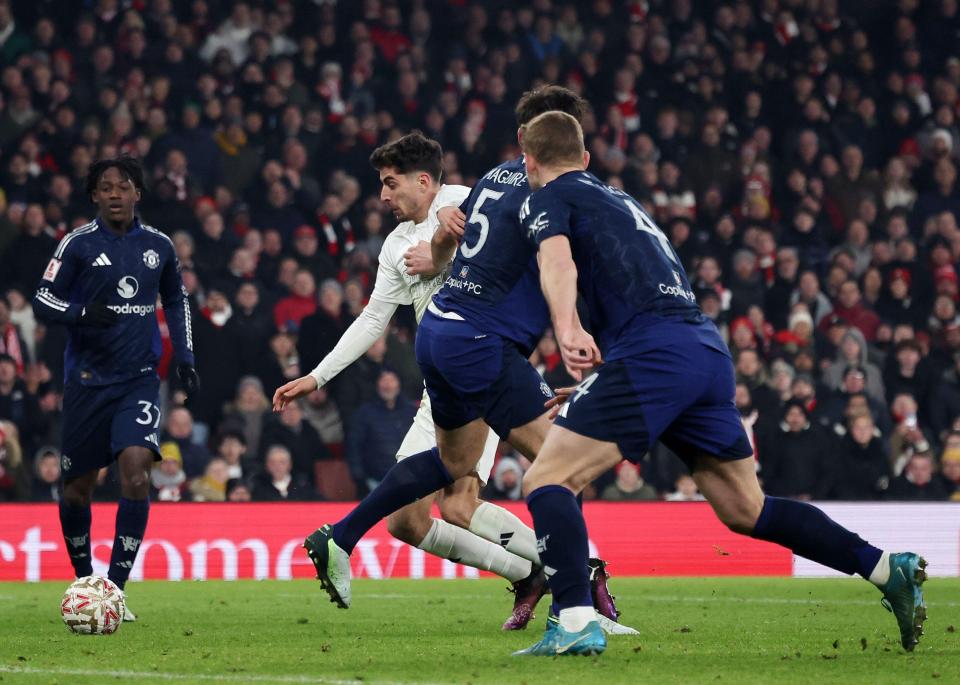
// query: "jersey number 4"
[[645, 224], [479, 218]]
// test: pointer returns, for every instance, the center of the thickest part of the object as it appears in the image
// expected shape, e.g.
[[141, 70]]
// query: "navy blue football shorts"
[[99, 422], [681, 395], [472, 374]]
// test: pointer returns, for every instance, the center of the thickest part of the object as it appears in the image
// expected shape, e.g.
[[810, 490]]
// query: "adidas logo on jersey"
[[102, 260]]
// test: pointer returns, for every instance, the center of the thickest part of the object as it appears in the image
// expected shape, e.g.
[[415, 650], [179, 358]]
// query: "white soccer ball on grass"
[[92, 605]]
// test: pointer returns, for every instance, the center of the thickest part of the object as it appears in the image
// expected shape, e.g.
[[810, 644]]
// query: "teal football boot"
[[903, 597], [558, 642]]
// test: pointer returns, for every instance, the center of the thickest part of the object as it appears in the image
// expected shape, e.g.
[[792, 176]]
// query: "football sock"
[[881, 572], [131, 524], [410, 479], [810, 533], [463, 547], [575, 619], [562, 541], [499, 526], [75, 524]]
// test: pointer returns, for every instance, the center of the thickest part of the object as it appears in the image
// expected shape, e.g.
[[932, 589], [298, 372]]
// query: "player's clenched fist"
[[579, 352], [419, 260], [293, 390], [452, 224]]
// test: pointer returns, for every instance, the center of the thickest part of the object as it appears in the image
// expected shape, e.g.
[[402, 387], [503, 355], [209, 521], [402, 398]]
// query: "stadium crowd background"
[[802, 160]]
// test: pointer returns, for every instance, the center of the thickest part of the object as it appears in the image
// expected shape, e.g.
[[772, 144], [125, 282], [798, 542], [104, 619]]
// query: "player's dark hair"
[[546, 99], [129, 168], [412, 152]]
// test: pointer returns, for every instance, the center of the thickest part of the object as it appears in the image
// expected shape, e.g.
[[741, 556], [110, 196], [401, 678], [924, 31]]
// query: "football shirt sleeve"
[[544, 214], [176, 308], [390, 286], [50, 301]]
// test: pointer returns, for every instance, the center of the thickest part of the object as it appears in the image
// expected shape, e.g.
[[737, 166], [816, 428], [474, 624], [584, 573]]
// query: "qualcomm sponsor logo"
[[138, 309], [127, 287], [677, 291]]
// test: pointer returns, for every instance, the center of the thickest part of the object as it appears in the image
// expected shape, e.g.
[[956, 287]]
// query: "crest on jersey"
[[676, 277], [65, 463], [539, 223], [151, 259], [127, 287], [464, 271]]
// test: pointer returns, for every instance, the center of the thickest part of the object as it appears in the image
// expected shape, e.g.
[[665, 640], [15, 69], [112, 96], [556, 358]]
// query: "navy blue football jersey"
[[627, 270], [128, 273], [494, 281]]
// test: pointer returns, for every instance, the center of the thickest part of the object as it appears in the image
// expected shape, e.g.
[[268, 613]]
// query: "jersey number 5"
[[478, 217]]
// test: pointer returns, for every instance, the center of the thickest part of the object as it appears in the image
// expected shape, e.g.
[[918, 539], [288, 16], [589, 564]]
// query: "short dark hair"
[[547, 99], [412, 152], [129, 168]]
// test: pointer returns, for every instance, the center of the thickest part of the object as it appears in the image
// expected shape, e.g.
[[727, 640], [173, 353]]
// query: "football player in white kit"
[[472, 532]]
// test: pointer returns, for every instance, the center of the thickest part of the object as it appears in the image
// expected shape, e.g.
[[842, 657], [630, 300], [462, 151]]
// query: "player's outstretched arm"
[[176, 308], [558, 279], [357, 339]]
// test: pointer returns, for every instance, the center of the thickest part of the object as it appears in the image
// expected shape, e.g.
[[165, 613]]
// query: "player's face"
[[405, 194], [116, 196]]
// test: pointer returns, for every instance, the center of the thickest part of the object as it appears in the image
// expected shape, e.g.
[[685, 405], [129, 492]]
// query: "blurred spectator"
[[168, 482], [629, 485], [278, 482], [14, 474], [247, 413], [685, 491], [794, 456], [321, 330], [212, 485], [506, 480], [376, 431], [46, 482], [238, 491], [322, 413], [179, 431], [301, 439], [18, 405], [918, 483], [232, 449], [861, 470], [300, 303]]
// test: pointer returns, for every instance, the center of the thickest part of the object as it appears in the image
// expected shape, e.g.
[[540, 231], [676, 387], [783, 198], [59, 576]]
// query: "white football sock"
[[463, 547], [881, 572], [499, 526], [575, 619]]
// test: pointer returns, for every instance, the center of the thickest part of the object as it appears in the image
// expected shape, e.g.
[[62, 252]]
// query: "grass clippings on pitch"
[[441, 632]]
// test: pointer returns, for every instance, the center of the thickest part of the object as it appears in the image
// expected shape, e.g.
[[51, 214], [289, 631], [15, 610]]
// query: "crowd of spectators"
[[801, 156]]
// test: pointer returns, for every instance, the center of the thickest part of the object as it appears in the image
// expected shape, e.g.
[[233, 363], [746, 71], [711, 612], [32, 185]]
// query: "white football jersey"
[[393, 283]]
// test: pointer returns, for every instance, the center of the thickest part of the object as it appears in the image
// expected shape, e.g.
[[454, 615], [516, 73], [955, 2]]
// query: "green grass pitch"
[[731, 630]]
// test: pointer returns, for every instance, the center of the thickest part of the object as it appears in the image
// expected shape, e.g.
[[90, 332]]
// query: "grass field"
[[692, 631]]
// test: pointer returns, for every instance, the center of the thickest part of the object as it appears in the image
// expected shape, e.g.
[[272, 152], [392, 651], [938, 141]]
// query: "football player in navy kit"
[[102, 283], [658, 369]]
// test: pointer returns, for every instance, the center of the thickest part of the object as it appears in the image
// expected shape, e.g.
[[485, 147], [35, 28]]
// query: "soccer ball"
[[92, 605]]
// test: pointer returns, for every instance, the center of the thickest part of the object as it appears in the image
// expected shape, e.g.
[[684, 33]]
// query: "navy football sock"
[[410, 479], [562, 544], [131, 524], [810, 533], [75, 524]]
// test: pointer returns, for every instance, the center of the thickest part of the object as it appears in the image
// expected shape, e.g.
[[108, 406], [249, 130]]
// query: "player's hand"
[[419, 260], [579, 352], [453, 222], [189, 379], [97, 315], [288, 392], [560, 397]]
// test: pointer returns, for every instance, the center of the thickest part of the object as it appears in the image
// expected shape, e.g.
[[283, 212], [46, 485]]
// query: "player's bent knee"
[[403, 527], [458, 510]]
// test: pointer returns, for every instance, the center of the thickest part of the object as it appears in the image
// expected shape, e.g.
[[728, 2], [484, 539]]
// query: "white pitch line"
[[219, 677], [662, 598]]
